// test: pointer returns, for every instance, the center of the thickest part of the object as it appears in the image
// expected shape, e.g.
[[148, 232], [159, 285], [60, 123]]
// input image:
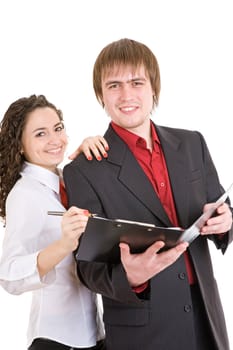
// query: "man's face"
[[128, 97]]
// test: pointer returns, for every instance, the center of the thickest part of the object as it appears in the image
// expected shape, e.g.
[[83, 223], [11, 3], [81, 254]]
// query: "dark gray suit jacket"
[[117, 187]]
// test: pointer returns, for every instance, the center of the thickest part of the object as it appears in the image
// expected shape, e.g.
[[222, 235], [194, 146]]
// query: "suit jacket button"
[[182, 275], [187, 308]]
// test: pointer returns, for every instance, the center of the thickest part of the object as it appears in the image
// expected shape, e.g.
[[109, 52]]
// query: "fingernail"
[[89, 158], [105, 155], [86, 212], [99, 158], [107, 148]]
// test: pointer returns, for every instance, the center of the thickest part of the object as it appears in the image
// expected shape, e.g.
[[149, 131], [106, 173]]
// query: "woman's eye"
[[59, 128], [41, 133]]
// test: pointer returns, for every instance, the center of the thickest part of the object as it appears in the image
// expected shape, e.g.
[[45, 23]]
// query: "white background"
[[49, 47]]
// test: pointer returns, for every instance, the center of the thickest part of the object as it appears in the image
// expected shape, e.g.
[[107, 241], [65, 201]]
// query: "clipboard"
[[100, 241]]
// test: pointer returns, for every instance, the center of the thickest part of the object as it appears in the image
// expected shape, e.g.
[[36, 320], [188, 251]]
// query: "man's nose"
[[126, 92]]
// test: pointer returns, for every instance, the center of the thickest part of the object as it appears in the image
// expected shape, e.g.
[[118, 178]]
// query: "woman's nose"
[[54, 138]]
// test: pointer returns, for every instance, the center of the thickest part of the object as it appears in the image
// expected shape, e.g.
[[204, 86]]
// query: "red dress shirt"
[[154, 165]]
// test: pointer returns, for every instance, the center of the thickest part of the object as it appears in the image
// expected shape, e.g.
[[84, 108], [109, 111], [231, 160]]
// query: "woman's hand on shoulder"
[[91, 146]]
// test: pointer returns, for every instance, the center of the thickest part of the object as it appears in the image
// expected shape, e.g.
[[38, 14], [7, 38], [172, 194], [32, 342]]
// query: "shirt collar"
[[131, 139], [44, 176]]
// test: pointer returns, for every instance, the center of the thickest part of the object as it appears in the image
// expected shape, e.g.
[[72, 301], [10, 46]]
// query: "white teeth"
[[128, 109], [54, 151]]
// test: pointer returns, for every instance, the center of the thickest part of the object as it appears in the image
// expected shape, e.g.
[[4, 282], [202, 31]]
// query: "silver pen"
[[60, 213]]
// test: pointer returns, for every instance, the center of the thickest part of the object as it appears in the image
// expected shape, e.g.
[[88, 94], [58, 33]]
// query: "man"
[[154, 300]]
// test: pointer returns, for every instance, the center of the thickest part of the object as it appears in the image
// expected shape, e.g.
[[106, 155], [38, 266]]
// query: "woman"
[[36, 255]]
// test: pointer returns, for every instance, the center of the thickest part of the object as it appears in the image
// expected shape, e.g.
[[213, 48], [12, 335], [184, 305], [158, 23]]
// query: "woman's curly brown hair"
[[11, 128]]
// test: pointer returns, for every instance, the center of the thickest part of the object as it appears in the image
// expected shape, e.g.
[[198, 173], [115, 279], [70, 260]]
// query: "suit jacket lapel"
[[178, 172], [133, 177]]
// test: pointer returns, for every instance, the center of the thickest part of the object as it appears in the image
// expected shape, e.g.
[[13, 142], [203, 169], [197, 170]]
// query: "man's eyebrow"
[[128, 81], [136, 78], [109, 82]]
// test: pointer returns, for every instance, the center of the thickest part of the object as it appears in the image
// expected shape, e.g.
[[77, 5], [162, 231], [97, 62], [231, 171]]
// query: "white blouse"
[[62, 308]]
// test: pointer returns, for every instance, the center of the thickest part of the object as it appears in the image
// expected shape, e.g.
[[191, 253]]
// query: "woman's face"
[[44, 139]]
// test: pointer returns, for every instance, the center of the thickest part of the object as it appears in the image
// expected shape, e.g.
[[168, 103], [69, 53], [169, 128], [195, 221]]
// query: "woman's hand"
[[74, 223], [93, 145]]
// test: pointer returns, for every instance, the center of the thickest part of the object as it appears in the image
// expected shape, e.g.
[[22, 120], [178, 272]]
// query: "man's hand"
[[141, 267], [220, 223]]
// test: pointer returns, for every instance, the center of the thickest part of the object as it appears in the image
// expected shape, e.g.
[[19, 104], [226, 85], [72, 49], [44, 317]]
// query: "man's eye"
[[113, 86]]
